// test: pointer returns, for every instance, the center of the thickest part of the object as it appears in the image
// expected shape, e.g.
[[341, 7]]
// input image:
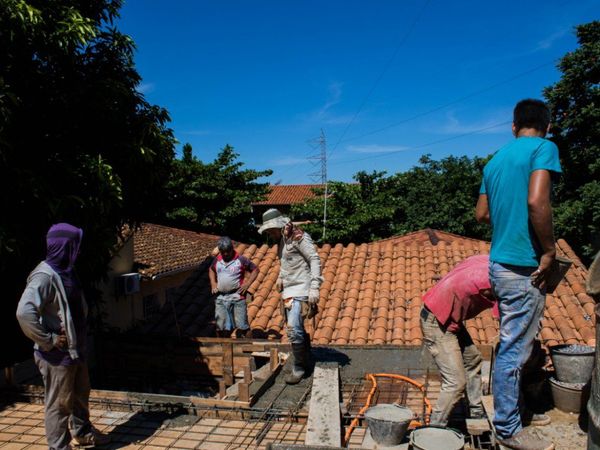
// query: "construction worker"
[[299, 282], [460, 295], [52, 312], [228, 279], [515, 199]]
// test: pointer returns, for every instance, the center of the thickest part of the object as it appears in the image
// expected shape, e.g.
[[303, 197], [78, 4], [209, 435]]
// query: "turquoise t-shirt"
[[506, 183]]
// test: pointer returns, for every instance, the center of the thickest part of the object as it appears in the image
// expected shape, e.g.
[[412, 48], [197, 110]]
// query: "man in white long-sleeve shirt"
[[299, 282]]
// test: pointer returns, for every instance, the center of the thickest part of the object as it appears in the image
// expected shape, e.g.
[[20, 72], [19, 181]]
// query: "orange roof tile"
[[159, 249], [289, 194], [372, 292]]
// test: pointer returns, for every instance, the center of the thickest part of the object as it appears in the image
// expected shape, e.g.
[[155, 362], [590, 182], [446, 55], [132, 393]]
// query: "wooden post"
[[228, 363], [9, 375], [274, 359], [243, 392], [247, 374], [222, 389]]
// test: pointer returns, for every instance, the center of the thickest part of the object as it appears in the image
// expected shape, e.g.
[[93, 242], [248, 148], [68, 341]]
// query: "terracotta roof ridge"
[[294, 185], [198, 233], [428, 232]]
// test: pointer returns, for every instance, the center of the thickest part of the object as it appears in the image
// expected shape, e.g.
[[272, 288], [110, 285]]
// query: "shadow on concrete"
[[143, 425]]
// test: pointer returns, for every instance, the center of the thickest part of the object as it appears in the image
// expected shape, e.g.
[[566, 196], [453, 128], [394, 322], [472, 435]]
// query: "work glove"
[[313, 296]]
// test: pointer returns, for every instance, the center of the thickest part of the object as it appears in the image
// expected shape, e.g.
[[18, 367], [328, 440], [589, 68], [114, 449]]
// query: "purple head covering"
[[62, 244]]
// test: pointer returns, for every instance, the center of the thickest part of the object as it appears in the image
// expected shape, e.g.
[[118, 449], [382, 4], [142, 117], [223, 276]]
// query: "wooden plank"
[[324, 425], [477, 427], [228, 364], [486, 377], [274, 358], [222, 389], [211, 402], [488, 405]]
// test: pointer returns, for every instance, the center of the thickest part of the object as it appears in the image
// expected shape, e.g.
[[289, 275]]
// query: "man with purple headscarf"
[[52, 312]]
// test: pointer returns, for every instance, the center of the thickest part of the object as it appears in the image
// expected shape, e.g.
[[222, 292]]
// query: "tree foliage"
[[435, 194], [78, 143], [440, 195], [214, 197], [575, 104]]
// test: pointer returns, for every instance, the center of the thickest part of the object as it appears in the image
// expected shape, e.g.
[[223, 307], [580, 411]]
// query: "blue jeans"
[[295, 321], [231, 312], [521, 306]]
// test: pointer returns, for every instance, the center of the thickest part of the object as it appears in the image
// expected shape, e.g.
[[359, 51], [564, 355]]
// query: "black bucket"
[[388, 423]]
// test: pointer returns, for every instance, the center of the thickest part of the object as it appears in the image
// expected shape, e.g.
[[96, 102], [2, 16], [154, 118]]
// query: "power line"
[[435, 109], [416, 147], [380, 77], [453, 102]]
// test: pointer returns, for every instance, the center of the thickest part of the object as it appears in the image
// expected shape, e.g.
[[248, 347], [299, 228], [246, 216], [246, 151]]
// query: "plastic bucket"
[[557, 272], [573, 363], [568, 397], [435, 438], [388, 423]]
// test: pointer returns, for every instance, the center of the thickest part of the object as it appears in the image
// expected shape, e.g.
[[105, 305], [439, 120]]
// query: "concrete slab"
[[324, 426]]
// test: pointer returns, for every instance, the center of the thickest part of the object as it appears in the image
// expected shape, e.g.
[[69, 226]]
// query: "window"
[[150, 304]]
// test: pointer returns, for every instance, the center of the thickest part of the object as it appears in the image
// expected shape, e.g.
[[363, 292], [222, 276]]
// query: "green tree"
[[78, 143], [356, 212], [575, 104], [440, 195], [435, 194], [214, 197]]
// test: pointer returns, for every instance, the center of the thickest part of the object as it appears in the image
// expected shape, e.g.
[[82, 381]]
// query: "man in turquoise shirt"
[[515, 199]]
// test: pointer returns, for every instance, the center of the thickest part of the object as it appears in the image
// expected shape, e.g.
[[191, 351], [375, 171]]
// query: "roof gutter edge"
[[169, 273]]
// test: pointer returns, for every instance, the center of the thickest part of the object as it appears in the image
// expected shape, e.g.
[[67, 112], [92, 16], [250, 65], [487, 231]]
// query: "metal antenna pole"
[[321, 175], [324, 176]]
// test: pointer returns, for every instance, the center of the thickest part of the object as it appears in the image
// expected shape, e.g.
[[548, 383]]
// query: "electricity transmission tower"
[[320, 176]]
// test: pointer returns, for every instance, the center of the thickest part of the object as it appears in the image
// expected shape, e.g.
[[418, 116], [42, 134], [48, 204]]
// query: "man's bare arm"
[[482, 211], [540, 216], [212, 276], [248, 281]]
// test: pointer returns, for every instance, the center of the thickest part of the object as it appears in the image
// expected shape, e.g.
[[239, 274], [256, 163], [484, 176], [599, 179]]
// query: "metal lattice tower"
[[320, 176]]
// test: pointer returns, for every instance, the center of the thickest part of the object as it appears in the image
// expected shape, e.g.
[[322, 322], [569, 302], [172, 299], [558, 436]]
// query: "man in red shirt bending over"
[[460, 295]]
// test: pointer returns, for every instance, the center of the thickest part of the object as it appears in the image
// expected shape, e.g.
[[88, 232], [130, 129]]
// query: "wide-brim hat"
[[273, 218]]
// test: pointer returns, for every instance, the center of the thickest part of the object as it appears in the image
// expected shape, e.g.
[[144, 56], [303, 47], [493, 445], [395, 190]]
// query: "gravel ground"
[[564, 431]]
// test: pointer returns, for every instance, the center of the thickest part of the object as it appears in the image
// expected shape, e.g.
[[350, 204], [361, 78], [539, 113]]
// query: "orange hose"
[[371, 377]]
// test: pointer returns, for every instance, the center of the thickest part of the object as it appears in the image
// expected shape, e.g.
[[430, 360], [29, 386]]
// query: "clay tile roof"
[[158, 249], [289, 194], [371, 293]]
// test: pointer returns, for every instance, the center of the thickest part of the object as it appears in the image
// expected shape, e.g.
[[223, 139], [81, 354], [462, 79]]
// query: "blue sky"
[[386, 81]]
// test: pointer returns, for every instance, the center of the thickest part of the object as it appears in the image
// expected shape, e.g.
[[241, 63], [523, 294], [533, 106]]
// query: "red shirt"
[[456, 298]]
